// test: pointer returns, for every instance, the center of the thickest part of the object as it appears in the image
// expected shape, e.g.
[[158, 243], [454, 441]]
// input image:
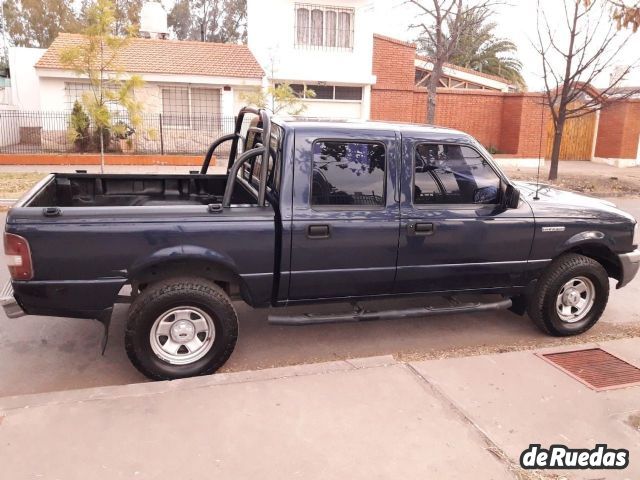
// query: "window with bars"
[[328, 92], [190, 107], [320, 26], [75, 91]]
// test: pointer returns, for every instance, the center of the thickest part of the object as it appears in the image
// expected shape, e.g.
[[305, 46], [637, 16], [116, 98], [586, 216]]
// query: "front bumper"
[[8, 302], [630, 263]]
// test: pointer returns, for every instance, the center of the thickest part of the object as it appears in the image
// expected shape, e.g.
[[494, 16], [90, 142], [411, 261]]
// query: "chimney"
[[153, 21]]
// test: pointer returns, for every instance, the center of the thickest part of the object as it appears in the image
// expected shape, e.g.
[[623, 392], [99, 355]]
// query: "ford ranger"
[[309, 212]]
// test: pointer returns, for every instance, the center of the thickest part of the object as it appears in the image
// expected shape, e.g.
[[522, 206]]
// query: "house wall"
[[282, 60], [24, 91]]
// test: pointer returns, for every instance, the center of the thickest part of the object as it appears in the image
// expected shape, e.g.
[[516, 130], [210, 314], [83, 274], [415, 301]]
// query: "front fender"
[[591, 237]]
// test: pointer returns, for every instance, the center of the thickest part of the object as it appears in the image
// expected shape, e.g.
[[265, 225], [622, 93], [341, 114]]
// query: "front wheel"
[[570, 296], [179, 328]]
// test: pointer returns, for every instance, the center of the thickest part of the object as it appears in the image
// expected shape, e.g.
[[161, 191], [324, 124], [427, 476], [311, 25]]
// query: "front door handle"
[[420, 229], [318, 231]]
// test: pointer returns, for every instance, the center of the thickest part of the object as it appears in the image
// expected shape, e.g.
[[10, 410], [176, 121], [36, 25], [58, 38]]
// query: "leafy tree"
[[79, 123], [480, 49], [279, 98], [36, 23], [209, 20], [96, 59], [126, 15]]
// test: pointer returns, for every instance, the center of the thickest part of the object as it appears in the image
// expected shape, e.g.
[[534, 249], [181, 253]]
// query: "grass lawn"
[[13, 185]]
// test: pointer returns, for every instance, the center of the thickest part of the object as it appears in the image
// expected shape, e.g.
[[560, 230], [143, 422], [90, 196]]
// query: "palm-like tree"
[[481, 50]]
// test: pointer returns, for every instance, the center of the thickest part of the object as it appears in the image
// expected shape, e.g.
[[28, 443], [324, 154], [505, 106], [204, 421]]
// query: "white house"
[[326, 46], [181, 78]]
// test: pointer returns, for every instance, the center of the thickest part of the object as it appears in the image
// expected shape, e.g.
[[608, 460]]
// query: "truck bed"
[[113, 190]]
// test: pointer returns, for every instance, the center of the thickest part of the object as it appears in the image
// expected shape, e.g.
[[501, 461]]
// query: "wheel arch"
[[598, 247], [189, 261]]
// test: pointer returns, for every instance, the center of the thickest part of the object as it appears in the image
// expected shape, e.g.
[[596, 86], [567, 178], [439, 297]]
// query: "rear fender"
[[188, 260]]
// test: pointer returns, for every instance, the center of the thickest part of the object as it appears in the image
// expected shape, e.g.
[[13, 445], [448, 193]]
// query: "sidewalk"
[[368, 418]]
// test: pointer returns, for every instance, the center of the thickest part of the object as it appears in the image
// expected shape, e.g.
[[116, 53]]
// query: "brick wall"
[[514, 123], [619, 130], [496, 119]]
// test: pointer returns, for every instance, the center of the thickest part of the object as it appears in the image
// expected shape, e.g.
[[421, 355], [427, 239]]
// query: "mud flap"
[[105, 319]]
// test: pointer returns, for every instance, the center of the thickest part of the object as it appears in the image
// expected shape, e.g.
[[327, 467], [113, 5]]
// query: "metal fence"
[[53, 132]]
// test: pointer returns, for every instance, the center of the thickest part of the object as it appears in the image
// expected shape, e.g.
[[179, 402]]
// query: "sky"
[[516, 22]]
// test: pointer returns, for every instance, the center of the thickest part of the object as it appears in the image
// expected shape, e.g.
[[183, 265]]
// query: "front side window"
[[453, 174], [348, 174]]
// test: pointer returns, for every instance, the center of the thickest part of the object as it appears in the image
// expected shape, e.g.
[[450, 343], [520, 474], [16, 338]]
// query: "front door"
[[345, 219], [454, 234]]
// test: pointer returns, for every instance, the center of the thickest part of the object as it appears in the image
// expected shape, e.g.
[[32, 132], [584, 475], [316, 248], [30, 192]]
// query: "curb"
[[155, 388]]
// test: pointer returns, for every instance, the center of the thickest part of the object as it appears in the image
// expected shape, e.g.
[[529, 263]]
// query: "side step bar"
[[360, 315]]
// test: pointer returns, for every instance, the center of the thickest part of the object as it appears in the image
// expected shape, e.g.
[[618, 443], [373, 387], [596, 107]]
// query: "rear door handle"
[[420, 229], [318, 231]]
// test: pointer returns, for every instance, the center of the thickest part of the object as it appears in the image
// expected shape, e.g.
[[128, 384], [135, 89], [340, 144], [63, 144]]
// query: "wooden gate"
[[577, 139]]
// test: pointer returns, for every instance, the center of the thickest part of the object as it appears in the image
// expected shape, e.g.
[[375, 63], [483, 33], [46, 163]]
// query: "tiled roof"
[[142, 55]]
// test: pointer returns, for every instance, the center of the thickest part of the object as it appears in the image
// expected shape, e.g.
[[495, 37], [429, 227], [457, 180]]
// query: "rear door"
[[345, 214], [454, 233]]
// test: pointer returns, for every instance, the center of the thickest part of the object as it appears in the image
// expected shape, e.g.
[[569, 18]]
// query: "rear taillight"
[[18, 257]]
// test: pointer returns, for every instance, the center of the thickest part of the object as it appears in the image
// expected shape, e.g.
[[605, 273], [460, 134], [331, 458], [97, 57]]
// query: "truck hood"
[[556, 203]]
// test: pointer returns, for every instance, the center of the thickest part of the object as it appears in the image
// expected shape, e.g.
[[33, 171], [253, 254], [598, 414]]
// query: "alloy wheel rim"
[[575, 299], [182, 335]]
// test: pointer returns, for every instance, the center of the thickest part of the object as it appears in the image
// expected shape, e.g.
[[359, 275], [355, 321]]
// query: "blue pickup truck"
[[309, 212]]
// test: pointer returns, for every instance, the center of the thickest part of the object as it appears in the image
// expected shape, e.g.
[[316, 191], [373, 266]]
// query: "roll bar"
[[234, 166]]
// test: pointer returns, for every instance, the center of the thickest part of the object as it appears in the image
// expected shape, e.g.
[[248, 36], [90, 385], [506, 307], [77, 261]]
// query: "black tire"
[[542, 304], [163, 296]]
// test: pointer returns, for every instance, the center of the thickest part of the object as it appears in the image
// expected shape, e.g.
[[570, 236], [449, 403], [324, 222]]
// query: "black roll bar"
[[233, 166], [233, 173], [212, 148]]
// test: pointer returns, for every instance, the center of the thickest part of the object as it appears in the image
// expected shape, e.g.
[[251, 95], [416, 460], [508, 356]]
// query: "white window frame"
[[190, 114], [304, 38]]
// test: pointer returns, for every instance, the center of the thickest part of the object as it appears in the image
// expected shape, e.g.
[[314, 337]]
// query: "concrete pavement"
[[365, 418]]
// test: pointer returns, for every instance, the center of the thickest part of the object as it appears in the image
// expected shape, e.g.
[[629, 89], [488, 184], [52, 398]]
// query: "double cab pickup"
[[310, 212]]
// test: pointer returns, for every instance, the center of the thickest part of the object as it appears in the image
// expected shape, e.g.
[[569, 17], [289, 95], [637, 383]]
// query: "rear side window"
[[453, 174], [348, 174]]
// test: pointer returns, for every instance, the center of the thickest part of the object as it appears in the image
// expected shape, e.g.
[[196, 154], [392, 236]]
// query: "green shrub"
[[79, 128]]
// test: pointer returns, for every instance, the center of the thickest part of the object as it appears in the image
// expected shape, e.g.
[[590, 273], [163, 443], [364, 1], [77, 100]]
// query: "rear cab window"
[[348, 174]]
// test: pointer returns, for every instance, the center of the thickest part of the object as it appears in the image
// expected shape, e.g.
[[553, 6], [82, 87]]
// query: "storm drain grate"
[[596, 368]]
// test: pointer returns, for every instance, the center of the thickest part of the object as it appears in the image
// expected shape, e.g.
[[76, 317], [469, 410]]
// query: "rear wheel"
[[570, 296], [179, 328]]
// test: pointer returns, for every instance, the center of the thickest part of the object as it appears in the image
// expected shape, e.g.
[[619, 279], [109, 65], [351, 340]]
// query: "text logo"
[[562, 457]]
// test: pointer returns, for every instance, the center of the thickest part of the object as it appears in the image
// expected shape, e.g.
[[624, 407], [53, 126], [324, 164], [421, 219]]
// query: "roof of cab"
[[372, 125]]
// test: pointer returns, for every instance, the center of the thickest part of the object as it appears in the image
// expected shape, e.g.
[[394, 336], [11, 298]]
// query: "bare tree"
[[442, 22], [583, 48]]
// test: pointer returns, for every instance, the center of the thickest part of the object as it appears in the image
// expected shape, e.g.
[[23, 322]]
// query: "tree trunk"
[[555, 151], [101, 150], [432, 91]]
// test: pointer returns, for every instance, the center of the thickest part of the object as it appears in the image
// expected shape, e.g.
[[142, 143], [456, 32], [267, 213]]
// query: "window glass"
[[453, 174], [348, 93], [175, 106], [345, 30], [348, 173], [302, 26], [323, 92], [317, 27], [331, 28]]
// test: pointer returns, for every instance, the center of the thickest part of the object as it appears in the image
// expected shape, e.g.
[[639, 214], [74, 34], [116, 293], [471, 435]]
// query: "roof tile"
[[143, 55]]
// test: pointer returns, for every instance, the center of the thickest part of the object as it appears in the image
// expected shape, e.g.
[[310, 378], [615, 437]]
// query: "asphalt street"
[[42, 354]]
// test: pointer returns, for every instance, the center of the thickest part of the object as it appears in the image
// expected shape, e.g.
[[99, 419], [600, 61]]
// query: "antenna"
[[536, 197]]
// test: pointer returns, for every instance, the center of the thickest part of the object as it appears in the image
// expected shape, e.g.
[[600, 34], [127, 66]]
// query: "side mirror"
[[511, 197], [485, 195]]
